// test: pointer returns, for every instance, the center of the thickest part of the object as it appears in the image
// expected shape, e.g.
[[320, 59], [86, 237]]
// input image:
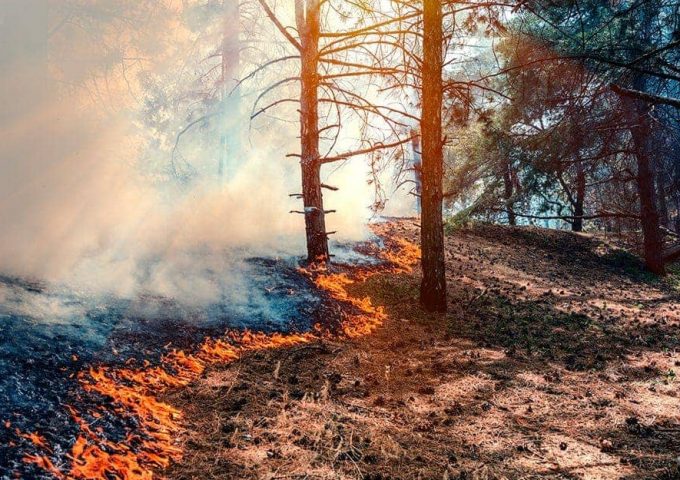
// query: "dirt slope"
[[558, 359]]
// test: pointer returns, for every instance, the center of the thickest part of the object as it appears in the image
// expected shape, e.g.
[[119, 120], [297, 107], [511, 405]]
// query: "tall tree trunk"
[[577, 225], [231, 121], [640, 131], [308, 22], [433, 287], [653, 244]]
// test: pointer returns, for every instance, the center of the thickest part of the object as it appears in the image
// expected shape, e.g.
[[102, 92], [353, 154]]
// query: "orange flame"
[[36, 439], [135, 392]]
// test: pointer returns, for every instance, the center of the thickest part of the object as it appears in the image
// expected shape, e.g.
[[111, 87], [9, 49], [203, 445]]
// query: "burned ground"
[[557, 359], [45, 362]]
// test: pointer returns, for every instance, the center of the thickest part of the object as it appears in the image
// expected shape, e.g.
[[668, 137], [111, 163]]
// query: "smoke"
[[79, 209]]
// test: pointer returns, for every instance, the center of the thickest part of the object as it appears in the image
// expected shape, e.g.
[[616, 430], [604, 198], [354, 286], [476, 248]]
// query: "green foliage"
[[460, 221], [673, 276], [558, 143]]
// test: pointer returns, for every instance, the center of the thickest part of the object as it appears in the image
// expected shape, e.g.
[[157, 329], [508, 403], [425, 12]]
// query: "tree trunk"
[[433, 287], [653, 244], [577, 225], [640, 131], [308, 23]]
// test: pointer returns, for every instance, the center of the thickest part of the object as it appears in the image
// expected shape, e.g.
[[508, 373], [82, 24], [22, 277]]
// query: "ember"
[[151, 425]]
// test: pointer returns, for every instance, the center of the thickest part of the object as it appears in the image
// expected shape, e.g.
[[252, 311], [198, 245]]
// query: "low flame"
[[37, 439], [135, 392]]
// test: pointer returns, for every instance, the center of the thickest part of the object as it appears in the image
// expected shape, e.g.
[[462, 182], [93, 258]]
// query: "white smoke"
[[78, 208]]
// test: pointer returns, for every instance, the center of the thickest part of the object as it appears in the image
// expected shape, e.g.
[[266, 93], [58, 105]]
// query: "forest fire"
[[188, 282], [147, 442]]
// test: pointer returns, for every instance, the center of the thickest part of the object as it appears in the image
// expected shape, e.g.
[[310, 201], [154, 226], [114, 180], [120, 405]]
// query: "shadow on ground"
[[556, 360]]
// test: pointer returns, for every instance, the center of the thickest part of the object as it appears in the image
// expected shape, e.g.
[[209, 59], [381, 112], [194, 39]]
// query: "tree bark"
[[308, 22], [640, 131], [653, 245], [638, 111], [433, 287]]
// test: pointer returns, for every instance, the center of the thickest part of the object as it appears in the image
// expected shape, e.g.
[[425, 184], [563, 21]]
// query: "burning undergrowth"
[[102, 396]]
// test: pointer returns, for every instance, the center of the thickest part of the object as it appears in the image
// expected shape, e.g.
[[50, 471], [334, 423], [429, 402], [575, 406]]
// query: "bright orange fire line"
[[135, 392]]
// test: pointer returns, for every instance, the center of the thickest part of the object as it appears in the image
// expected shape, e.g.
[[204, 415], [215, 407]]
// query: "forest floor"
[[558, 359]]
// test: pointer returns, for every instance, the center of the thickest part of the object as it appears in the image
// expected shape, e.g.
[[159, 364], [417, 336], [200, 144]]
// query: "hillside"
[[558, 359]]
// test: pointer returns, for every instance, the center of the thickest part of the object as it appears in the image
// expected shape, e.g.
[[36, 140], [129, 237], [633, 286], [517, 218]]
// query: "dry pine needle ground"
[[558, 359]]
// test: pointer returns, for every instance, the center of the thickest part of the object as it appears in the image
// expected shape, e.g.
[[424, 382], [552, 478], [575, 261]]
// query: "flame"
[[135, 392], [402, 255], [44, 463], [37, 439]]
